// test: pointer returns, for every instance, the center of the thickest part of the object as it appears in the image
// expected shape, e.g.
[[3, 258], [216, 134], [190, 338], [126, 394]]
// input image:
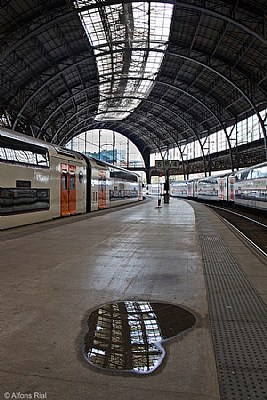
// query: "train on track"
[[40, 181], [247, 187]]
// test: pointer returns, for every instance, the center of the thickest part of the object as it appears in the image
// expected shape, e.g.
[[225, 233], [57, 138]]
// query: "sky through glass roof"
[[125, 38]]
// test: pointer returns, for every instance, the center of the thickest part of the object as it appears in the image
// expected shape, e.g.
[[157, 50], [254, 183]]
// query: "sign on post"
[[166, 164]]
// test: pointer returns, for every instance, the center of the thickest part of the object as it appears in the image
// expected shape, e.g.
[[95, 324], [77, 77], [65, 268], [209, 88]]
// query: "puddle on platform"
[[127, 336]]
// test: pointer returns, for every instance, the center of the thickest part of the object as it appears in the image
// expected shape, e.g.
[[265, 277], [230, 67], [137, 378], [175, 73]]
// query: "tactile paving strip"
[[238, 318]]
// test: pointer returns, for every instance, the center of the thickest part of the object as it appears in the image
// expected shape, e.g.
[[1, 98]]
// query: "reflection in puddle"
[[127, 336]]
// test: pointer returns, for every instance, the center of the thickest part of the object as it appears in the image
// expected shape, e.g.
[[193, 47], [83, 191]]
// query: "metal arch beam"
[[193, 60], [236, 87], [181, 4], [166, 85], [61, 73], [37, 91], [176, 3], [105, 52], [134, 97], [192, 97], [161, 124], [143, 153], [190, 128], [118, 129], [39, 29], [220, 123], [52, 64], [203, 10], [165, 108], [224, 62], [178, 146], [181, 152], [97, 123], [218, 73], [219, 15], [116, 124], [216, 117], [200, 143], [175, 88], [148, 127]]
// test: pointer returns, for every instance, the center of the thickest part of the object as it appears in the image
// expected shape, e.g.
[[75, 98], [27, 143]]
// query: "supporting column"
[[167, 187]]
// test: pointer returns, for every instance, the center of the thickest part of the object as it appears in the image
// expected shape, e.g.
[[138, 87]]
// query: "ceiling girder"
[[55, 97]]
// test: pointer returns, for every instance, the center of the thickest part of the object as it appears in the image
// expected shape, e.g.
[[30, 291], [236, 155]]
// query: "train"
[[40, 181], [246, 187], [154, 189]]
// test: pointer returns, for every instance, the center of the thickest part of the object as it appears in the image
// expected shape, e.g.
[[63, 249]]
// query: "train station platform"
[[55, 274]]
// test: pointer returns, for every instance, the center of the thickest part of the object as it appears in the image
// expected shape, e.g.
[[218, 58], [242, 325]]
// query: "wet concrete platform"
[[55, 274]]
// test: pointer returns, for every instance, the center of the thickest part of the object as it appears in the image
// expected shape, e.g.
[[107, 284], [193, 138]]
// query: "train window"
[[120, 174], [260, 172], [250, 175], [237, 177], [263, 171], [72, 181], [64, 184], [18, 152], [94, 196], [42, 159], [254, 174], [244, 175], [20, 200]]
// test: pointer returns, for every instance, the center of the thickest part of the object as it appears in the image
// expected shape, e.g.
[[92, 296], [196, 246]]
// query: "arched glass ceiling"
[[125, 38]]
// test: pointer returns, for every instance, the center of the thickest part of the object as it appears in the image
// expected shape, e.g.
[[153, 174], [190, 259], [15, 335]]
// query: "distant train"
[[40, 181], [155, 189], [247, 187]]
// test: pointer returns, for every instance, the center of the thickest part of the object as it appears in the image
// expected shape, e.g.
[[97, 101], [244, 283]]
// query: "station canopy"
[[162, 73]]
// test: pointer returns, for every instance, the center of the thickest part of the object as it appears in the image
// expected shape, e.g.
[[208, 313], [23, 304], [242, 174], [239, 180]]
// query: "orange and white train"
[[40, 181]]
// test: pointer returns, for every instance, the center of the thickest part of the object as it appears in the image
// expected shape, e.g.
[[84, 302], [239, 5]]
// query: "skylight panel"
[[125, 38]]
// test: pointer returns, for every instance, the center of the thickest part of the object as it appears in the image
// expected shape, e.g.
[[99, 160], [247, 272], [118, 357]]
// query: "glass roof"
[[129, 40]]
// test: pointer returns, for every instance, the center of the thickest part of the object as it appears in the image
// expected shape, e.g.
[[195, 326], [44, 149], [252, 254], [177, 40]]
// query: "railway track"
[[251, 225]]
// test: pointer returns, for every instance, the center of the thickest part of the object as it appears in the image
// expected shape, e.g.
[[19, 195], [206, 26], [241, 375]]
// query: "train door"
[[102, 189], [231, 188], [68, 190], [221, 189]]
